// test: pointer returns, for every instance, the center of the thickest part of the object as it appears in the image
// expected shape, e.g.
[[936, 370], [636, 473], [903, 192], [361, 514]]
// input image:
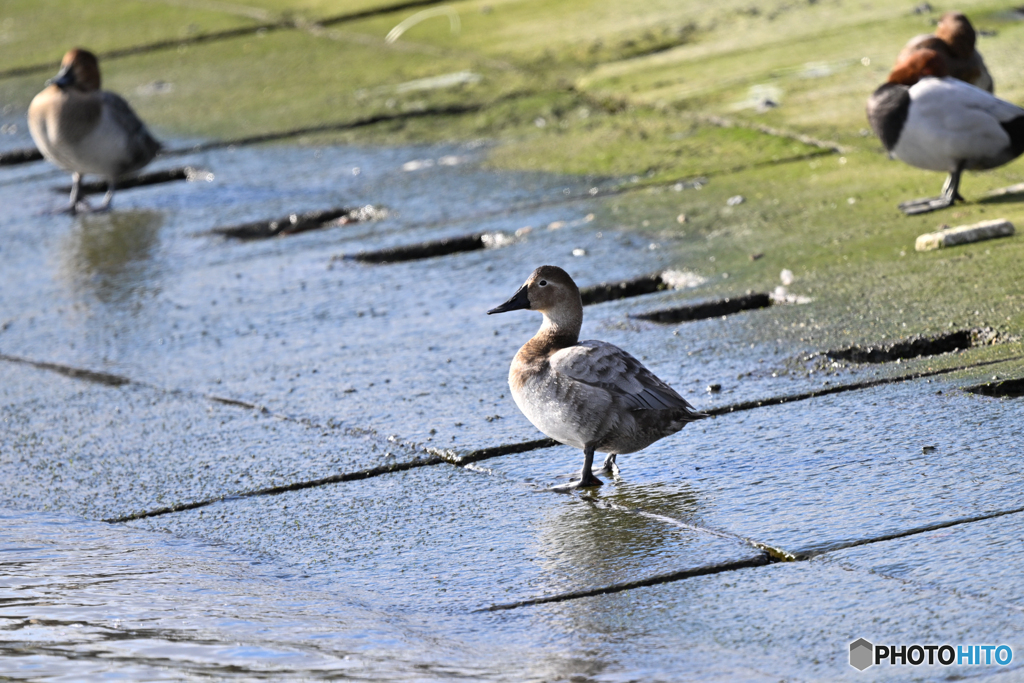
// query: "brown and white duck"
[[931, 121], [590, 394], [86, 130]]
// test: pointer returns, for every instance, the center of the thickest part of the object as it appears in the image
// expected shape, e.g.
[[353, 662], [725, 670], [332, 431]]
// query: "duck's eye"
[[543, 283]]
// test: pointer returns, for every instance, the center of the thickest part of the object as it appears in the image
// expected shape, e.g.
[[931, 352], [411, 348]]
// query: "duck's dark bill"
[[64, 78], [519, 300]]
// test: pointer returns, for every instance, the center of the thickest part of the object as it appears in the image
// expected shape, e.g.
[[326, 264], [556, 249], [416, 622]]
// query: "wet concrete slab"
[[781, 622], [789, 621], [988, 553], [817, 475], [447, 539], [98, 451]]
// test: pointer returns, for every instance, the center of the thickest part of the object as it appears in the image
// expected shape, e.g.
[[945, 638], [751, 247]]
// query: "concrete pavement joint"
[[855, 386], [453, 457], [337, 126], [815, 552], [657, 579], [771, 555], [777, 554], [283, 488], [94, 376], [189, 173], [169, 44]]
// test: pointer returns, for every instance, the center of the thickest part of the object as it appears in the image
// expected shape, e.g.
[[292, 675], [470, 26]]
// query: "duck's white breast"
[[566, 410]]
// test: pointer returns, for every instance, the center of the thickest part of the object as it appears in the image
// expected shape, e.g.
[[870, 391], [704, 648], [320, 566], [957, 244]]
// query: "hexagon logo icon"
[[862, 654]]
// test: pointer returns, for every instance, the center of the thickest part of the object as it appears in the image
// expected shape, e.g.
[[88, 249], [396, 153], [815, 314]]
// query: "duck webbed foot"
[[950, 194], [78, 207], [610, 467], [926, 205], [586, 481], [587, 478]]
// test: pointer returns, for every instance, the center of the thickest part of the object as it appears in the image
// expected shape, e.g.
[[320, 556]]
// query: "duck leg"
[[610, 467], [587, 478], [111, 186], [76, 193], [951, 188], [950, 193]]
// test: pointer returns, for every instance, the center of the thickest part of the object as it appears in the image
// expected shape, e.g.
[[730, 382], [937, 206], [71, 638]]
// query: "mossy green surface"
[[40, 31], [605, 88]]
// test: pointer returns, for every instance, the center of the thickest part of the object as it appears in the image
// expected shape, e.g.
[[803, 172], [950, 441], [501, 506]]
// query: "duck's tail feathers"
[[691, 414]]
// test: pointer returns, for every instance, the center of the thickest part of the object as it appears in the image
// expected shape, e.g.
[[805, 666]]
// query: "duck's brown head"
[[955, 30], [547, 288], [79, 70], [917, 65]]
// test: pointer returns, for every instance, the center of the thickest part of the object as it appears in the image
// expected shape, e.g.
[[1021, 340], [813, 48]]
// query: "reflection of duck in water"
[[84, 129], [111, 254], [937, 123], [954, 39], [590, 394]]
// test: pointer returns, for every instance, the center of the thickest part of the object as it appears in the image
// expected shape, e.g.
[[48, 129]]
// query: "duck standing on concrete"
[[589, 394], [84, 129], [954, 39], [937, 123]]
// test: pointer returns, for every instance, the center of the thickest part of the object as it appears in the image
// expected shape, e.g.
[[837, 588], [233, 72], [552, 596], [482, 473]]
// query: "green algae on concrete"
[[603, 89]]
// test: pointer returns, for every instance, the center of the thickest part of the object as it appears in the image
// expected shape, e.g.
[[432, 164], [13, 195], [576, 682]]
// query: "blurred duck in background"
[[84, 129], [932, 121], [954, 39]]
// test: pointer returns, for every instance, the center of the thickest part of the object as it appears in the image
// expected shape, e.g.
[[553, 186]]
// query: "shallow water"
[[80, 599]]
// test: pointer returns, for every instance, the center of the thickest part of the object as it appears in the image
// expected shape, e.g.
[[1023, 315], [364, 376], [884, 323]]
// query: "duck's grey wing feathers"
[[142, 145], [608, 367]]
